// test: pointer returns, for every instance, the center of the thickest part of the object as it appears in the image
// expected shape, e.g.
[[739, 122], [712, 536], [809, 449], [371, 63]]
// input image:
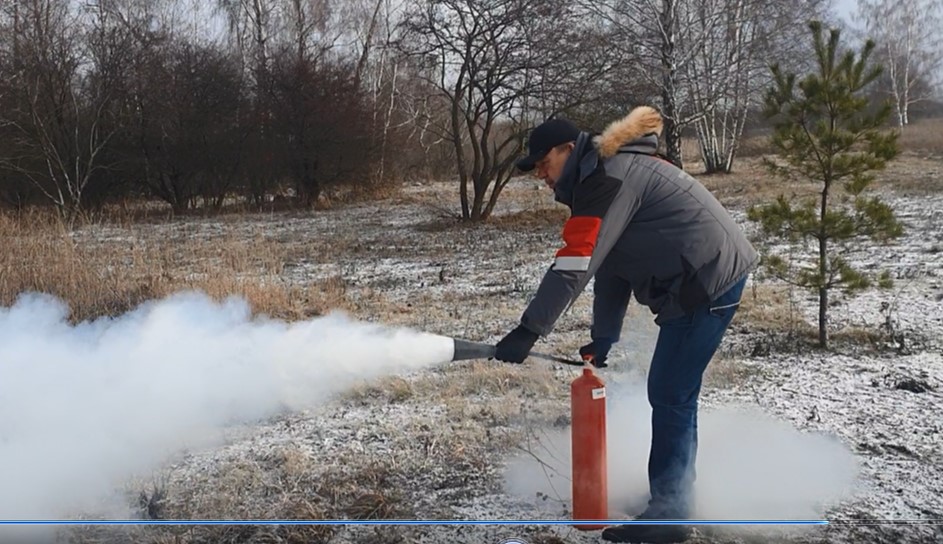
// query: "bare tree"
[[369, 34], [60, 105], [717, 76], [498, 64], [317, 109], [250, 26], [192, 142], [910, 47]]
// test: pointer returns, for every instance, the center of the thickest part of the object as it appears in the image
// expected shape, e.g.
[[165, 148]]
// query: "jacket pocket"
[[726, 305]]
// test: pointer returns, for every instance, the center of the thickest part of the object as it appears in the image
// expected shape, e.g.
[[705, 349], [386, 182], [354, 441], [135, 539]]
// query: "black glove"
[[597, 352], [515, 347]]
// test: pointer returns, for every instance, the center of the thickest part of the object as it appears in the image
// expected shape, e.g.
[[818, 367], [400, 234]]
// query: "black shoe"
[[647, 533]]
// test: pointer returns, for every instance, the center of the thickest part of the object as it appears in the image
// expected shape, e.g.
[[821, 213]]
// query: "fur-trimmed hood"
[[641, 121], [640, 129]]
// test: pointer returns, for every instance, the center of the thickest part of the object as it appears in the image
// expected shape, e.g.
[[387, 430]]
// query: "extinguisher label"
[[599, 393]]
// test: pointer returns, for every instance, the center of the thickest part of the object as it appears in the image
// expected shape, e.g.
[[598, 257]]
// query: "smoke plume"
[[83, 407]]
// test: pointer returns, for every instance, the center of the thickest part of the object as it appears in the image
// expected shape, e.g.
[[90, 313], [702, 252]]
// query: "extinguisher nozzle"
[[465, 350]]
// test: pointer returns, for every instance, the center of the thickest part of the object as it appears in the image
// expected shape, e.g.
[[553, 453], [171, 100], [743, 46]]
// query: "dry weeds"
[[538, 218], [288, 483], [770, 308], [919, 168], [773, 311], [40, 254], [390, 390], [923, 137], [725, 372]]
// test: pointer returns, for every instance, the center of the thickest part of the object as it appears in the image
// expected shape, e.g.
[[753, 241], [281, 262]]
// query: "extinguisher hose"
[[474, 350], [563, 360]]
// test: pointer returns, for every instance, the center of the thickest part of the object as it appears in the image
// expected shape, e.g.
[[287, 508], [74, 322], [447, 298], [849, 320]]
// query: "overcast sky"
[[845, 7]]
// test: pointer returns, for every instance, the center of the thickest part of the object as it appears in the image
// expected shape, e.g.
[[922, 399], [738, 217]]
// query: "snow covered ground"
[[789, 432]]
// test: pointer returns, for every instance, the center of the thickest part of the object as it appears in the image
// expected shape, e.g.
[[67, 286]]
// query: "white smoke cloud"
[[84, 407], [750, 466]]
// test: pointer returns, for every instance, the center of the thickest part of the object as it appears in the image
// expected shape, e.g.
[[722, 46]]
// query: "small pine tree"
[[827, 131]]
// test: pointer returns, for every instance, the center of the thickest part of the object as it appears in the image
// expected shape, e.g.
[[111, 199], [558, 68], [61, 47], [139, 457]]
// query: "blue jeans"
[[684, 348]]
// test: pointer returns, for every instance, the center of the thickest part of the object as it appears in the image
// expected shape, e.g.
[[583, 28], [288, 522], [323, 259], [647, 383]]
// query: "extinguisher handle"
[[592, 360]]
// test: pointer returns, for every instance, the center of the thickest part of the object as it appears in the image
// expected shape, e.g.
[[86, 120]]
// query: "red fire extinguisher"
[[588, 412]]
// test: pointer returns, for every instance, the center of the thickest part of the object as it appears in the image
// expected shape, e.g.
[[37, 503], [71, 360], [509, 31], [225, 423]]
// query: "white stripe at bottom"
[[576, 264]]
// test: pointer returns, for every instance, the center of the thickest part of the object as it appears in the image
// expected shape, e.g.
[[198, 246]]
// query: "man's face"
[[550, 168]]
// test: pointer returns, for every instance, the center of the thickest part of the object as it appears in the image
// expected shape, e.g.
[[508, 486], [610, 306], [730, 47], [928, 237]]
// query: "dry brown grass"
[[537, 218], [750, 183], [475, 379], [356, 194], [918, 168], [752, 145], [503, 393], [530, 203], [487, 378], [39, 254], [390, 390], [288, 483], [770, 308], [724, 372], [924, 137], [756, 144], [912, 173], [859, 336]]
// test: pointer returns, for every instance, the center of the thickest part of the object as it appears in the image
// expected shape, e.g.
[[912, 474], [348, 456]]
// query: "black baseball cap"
[[545, 137]]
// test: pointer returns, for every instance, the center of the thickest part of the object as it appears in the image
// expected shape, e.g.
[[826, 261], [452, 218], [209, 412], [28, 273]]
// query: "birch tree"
[[726, 76], [707, 61], [379, 73], [664, 37], [910, 46]]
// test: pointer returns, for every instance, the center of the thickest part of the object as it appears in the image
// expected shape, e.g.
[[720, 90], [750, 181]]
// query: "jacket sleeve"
[[591, 201], [611, 296]]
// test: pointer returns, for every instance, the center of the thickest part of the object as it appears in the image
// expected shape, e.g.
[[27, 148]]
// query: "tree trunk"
[[499, 185], [672, 138], [823, 272], [463, 196], [672, 131], [479, 199], [905, 98], [711, 145], [368, 40], [457, 143]]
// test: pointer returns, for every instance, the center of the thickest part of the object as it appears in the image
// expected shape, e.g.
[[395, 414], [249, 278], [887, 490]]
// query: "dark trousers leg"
[[684, 348]]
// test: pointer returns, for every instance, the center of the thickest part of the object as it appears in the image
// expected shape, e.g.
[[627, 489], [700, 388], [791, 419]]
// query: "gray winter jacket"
[[639, 225]]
